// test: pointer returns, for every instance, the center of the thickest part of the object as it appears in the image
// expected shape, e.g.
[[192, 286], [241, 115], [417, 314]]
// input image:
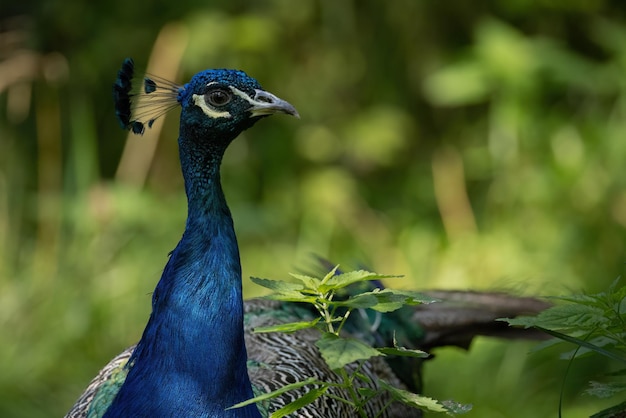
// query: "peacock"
[[199, 354]]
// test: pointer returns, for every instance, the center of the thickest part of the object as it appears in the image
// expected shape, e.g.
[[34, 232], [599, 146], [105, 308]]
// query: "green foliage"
[[339, 351], [470, 145], [596, 324]]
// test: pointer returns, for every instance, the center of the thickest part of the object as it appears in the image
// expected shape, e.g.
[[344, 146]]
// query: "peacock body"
[[198, 355]]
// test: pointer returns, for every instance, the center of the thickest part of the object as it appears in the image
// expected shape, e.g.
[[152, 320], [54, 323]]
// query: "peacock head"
[[220, 103], [225, 102]]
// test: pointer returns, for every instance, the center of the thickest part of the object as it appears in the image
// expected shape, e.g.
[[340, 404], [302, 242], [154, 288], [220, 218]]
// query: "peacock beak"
[[265, 103]]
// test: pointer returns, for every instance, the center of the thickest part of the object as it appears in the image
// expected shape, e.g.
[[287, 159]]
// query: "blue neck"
[[191, 360]]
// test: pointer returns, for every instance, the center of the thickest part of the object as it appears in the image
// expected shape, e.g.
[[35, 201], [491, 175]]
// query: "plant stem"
[[349, 386], [323, 308], [343, 321]]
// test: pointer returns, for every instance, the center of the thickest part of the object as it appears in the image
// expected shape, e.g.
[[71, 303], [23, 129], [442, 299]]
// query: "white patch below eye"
[[210, 112]]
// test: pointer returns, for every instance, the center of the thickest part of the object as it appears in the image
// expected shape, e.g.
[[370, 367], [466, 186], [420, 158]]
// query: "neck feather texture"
[[191, 360]]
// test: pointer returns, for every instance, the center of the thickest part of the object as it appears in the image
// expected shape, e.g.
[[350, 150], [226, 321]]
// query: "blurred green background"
[[463, 144]]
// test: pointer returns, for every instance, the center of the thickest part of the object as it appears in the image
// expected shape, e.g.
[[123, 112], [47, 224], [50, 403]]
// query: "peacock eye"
[[218, 97]]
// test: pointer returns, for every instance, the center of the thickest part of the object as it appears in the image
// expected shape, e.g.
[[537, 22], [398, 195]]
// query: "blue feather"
[[191, 360], [121, 92]]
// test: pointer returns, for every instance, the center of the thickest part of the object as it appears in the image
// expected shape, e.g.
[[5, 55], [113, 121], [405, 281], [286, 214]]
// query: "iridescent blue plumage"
[[191, 360]]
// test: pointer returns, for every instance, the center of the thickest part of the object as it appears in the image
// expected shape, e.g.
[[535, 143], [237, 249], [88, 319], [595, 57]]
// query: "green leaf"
[[292, 297], [338, 351], [412, 399], [520, 321], [581, 299], [569, 316], [391, 300], [277, 285], [346, 279], [404, 352], [308, 281], [277, 392], [288, 327], [303, 401], [415, 298], [386, 300], [284, 291], [330, 274], [362, 301]]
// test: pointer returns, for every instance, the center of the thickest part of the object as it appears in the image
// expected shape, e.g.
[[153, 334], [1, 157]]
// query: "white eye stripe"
[[243, 95], [199, 101]]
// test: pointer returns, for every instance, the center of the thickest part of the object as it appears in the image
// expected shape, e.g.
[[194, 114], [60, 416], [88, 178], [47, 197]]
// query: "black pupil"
[[218, 97]]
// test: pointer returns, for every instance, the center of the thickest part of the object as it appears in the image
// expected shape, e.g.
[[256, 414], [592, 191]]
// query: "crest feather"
[[139, 102]]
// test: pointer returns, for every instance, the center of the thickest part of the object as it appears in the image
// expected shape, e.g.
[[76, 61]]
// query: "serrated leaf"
[[520, 321], [569, 316], [284, 291], [395, 299], [277, 392], [288, 327], [404, 352], [581, 299], [346, 279], [277, 285], [291, 297], [302, 401], [386, 300], [613, 301], [415, 298], [339, 351], [309, 282], [412, 399]]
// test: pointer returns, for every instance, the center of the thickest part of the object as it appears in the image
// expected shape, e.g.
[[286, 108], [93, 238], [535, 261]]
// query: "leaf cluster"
[[325, 294], [596, 324]]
